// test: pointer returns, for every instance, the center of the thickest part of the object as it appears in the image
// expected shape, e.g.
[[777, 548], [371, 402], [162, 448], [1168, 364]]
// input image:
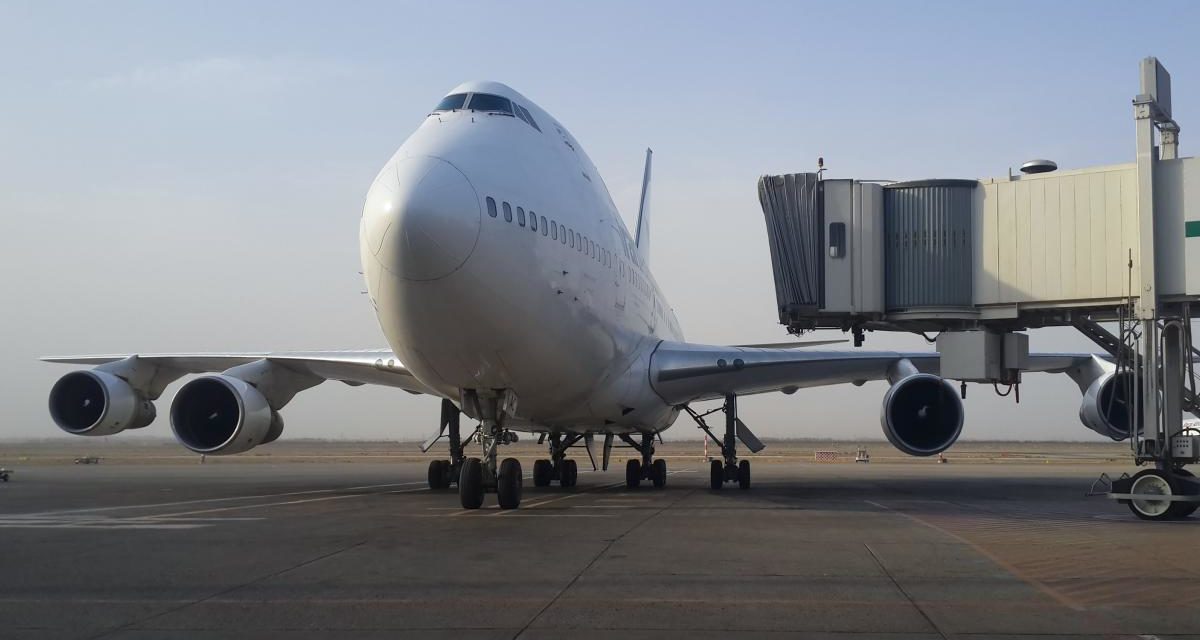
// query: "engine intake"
[[220, 415], [922, 415], [1106, 404], [98, 403]]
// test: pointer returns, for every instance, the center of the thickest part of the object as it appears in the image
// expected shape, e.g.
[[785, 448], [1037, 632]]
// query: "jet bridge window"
[[452, 102], [520, 216], [491, 103], [837, 240], [491, 204], [507, 212]]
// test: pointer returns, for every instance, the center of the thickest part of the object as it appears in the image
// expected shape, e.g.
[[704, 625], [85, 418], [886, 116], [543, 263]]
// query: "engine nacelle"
[[220, 415], [98, 403], [1106, 404], [922, 415]]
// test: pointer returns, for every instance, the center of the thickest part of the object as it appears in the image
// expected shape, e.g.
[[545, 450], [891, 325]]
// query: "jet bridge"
[[979, 261]]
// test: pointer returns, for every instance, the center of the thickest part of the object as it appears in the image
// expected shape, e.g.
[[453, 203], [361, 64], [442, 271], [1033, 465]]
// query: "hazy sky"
[[189, 176]]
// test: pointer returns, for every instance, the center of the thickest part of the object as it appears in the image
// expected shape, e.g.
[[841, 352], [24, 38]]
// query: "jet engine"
[[1106, 404], [220, 414], [922, 415], [98, 403]]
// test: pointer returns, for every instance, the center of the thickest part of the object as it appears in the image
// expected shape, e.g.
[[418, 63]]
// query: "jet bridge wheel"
[[470, 484], [1154, 482], [1184, 509], [633, 474], [508, 484]]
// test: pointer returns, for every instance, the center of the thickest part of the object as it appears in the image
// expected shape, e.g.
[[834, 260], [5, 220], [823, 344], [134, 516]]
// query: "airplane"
[[508, 286]]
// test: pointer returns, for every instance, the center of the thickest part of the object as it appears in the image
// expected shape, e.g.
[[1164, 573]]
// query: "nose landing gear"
[[483, 475]]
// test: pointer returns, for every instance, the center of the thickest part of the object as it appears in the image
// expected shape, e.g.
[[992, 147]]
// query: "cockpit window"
[[488, 102], [528, 117], [452, 102]]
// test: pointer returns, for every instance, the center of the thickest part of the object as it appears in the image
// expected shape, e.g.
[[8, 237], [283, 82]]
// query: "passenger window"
[[544, 231], [571, 238], [533, 221], [507, 213], [562, 237], [488, 102], [491, 207], [520, 216], [451, 102], [554, 230]]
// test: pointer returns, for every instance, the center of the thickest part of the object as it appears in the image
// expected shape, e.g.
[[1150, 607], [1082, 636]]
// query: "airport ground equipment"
[[861, 455], [978, 262], [4, 474]]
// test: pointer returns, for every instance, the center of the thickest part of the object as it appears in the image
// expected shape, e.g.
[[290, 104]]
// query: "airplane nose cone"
[[422, 218]]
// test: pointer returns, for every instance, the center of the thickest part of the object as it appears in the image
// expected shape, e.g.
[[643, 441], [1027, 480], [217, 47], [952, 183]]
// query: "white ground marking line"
[[279, 504], [227, 499]]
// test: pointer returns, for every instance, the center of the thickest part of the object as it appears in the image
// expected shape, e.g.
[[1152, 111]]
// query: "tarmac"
[[365, 550]]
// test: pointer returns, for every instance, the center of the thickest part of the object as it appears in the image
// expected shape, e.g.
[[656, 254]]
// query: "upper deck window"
[[452, 102], [489, 102]]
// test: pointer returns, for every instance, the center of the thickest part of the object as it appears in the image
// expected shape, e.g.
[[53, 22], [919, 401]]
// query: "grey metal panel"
[[792, 207], [928, 244]]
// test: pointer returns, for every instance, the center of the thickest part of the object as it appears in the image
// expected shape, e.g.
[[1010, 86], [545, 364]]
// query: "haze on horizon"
[[189, 176]]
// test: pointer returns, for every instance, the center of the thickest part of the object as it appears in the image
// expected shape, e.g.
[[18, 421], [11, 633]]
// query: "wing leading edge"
[[684, 372]]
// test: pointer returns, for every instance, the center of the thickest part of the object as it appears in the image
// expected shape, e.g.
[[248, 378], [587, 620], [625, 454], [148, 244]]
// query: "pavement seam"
[[593, 561], [904, 592], [130, 625]]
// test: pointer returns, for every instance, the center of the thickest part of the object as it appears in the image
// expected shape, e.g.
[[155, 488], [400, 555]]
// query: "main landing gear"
[[443, 473], [482, 475], [647, 468], [558, 467], [729, 468]]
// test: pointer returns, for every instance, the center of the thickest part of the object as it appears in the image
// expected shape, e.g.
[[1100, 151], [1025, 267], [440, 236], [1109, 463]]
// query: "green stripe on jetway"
[[1191, 228]]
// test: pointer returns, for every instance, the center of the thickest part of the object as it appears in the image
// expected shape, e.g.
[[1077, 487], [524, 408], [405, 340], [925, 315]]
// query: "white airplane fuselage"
[[496, 259]]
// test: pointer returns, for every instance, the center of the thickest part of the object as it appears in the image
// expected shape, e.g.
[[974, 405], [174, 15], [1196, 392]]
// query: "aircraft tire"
[[744, 474], [470, 484], [542, 470], [633, 474], [508, 484], [437, 474], [570, 473], [716, 474], [659, 473]]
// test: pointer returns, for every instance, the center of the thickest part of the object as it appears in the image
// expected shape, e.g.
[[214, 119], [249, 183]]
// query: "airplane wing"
[[684, 372], [369, 366]]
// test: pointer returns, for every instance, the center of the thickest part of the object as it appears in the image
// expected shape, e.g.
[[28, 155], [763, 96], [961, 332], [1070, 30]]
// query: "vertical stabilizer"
[[642, 239]]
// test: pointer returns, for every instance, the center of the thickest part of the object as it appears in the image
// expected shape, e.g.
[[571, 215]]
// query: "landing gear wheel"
[[659, 473], [569, 474], [1154, 482], [1182, 510], [543, 470], [508, 484], [744, 474], [633, 474], [716, 474], [470, 484], [437, 474]]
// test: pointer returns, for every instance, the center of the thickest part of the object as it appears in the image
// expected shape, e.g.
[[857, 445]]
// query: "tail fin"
[[642, 239]]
